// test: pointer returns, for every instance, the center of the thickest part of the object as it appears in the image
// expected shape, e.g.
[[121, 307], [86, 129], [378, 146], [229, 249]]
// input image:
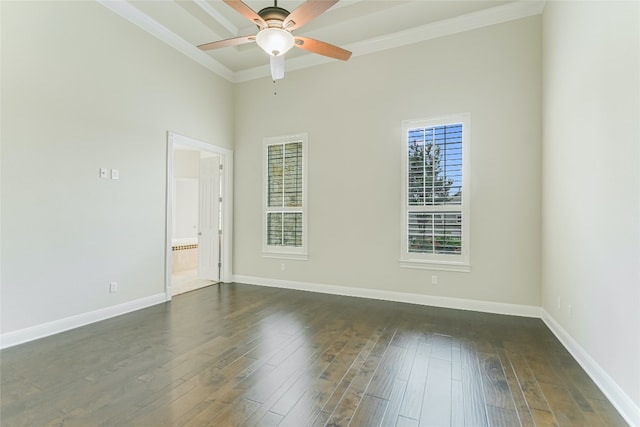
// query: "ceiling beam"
[[135, 16], [212, 12]]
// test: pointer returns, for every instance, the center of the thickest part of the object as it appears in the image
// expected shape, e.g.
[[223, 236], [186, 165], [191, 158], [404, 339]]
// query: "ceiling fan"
[[274, 36]]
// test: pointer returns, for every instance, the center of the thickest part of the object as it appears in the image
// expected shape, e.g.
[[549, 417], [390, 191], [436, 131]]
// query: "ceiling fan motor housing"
[[274, 16]]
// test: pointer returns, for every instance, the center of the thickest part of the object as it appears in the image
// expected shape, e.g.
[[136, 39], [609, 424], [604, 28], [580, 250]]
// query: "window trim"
[[462, 262], [285, 252]]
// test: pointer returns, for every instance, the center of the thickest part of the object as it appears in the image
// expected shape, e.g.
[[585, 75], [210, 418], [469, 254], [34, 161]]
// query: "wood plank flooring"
[[241, 355]]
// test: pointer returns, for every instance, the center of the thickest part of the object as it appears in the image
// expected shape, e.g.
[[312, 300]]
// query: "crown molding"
[[136, 17], [447, 27], [496, 15], [212, 12]]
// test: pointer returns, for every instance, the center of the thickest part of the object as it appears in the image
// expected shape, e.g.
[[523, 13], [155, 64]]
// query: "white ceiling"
[[362, 26]]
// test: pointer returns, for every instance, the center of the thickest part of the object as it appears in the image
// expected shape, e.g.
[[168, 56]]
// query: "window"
[[435, 218], [285, 197]]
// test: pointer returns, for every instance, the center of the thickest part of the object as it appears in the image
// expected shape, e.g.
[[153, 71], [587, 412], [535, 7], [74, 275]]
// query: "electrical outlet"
[[115, 174], [434, 280], [113, 287]]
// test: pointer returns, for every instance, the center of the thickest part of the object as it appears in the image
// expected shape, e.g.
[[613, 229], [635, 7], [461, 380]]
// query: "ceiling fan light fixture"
[[275, 41]]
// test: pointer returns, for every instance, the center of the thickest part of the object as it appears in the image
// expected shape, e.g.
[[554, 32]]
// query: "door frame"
[[226, 178]]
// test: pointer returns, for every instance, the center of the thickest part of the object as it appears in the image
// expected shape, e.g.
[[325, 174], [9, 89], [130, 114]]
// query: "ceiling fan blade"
[[306, 12], [277, 67], [247, 12], [228, 42], [322, 48]]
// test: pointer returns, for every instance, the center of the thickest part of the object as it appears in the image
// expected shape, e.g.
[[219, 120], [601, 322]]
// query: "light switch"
[[115, 174], [103, 173]]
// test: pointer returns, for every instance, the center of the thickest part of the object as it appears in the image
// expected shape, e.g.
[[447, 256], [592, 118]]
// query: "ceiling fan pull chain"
[[275, 90]]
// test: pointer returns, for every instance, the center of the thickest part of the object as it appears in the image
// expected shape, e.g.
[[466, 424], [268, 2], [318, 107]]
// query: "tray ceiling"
[[362, 26]]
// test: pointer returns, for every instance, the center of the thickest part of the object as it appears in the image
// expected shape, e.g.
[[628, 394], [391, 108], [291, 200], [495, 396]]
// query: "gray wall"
[[103, 93], [353, 114], [84, 89], [591, 175]]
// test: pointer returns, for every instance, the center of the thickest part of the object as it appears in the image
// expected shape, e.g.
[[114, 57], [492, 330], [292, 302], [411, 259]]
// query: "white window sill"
[[436, 265], [277, 255]]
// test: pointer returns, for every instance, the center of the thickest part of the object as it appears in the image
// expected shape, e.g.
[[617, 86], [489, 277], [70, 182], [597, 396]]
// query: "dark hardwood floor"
[[251, 356]]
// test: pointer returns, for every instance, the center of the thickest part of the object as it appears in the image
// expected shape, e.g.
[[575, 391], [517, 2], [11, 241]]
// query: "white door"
[[208, 219]]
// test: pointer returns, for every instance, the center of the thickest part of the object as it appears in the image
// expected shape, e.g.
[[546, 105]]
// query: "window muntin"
[[285, 198], [435, 208]]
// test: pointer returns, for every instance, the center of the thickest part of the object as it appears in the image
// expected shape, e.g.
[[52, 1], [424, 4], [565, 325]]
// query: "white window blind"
[[435, 233], [435, 213], [284, 195]]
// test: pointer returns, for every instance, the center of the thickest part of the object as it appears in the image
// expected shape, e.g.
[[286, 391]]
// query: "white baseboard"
[[623, 403], [445, 302], [20, 336]]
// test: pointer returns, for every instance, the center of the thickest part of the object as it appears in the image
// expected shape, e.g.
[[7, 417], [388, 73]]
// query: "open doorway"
[[195, 240], [198, 214]]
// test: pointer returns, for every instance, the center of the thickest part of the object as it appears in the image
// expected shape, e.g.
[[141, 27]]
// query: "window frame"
[[276, 251], [446, 262]]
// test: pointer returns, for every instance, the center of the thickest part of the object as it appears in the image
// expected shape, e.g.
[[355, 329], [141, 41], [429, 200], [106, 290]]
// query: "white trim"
[[226, 160], [447, 27], [143, 21], [197, 144], [168, 226], [461, 262], [286, 252], [434, 265], [420, 299], [276, 255], [622, 402], [212, 12], [20, 336]]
